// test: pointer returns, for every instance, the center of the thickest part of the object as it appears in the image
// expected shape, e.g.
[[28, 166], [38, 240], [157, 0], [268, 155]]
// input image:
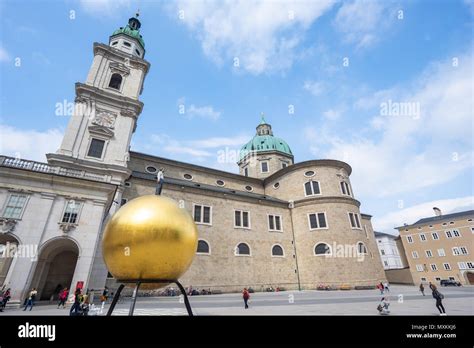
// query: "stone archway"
[[469, 277], [55, 267], [7, 244]]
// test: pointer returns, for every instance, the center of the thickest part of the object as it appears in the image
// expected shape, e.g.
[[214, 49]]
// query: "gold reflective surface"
[[150, 237]]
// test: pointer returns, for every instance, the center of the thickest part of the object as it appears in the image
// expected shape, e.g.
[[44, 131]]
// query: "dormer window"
[[114, 43], [115, 81], [137, 52], [127, 44]]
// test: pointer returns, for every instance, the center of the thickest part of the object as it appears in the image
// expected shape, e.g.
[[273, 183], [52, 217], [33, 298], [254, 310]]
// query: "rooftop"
[[435, 219]]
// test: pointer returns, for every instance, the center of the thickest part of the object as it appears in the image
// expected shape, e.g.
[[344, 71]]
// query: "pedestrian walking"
[[432, 286], [246, 296], [31, 299], [422, 289], [386, 288], [380, 287], [383, 306], [5, 298], [63, 297], [439, 300], [77, 303], [105, 295]]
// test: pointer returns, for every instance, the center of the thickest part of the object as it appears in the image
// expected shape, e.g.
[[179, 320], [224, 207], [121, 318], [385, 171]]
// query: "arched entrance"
[[470, 277], [8, 244], [55, 267]]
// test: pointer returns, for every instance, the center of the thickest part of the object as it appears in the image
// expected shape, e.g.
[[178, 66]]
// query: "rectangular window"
[[14, 207], [448, 234], [423, 279], [456, 233], [470, 265], [345, 188], [422, 237], [354, 220], [456, 251], [410, 239], [264, 166], [382, 251], [317, 221], [71, 212], [435, 236], [419, 268], [462, 265], [96, 148], [414, 254], [463, 250], [246, 171], [428, 253], [312, 188], [438, 279], [441, 252], [447, 266], [242, 219], [283, 165], [433, 267], [274, 222]]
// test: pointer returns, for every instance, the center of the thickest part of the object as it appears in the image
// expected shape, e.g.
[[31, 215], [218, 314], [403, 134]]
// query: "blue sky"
[[291, 55]]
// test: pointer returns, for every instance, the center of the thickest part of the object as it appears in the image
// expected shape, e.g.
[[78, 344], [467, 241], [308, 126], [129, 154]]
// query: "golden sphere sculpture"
[[149, 238]]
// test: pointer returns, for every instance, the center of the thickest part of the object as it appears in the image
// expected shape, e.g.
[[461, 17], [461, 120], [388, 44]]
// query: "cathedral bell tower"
[[107, 107]]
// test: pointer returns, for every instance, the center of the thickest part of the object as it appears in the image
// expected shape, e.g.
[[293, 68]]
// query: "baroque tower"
[[107, 107]]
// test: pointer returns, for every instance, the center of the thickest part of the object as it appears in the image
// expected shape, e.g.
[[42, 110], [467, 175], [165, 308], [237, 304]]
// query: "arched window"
[[115, 81], [361, 249], [322, 249], [203, 247], [242, 249], [277, 250]]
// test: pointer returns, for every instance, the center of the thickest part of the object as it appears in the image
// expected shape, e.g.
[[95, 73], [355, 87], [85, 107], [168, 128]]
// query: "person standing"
[[439, 300], [160, 177], [77, 302], [246, 296], [422, 289], [31, 299], [63, 298]]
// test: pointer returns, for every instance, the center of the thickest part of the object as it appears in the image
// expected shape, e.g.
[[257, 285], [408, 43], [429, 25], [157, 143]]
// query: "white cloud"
[[107, 8], [4, 56], [399, 154], [29, 144], [314, 87], [414, 213], [207, 112], [208, 150], [217, 142], [332, 114], [362, 22], [262, 35], [191, 111]]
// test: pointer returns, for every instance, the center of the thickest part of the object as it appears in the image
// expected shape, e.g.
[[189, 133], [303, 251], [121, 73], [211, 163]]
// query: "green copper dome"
[[265, 141], [132, 29]]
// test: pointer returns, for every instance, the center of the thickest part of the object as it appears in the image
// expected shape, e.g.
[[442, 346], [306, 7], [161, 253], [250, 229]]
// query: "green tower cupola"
[[264, 153], [128, 39]]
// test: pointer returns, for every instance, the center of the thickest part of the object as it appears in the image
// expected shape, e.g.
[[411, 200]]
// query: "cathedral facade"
[[277, 223]]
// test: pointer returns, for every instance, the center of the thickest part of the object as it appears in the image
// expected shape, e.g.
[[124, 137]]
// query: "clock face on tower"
[[104, 119]]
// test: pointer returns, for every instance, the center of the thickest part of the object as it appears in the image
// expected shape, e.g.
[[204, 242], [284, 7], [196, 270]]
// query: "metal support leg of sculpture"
[[186, 301], [134, 299], [115, 299]]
